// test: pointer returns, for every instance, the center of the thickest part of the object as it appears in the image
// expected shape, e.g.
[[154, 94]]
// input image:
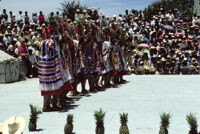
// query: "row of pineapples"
[[99, 117], [164, 124], [165, 121]]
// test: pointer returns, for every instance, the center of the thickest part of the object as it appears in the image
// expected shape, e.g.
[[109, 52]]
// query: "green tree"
[[183, 6], [69, 7]]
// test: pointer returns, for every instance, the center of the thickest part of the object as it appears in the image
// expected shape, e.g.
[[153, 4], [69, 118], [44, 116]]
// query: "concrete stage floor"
[[143, 97]]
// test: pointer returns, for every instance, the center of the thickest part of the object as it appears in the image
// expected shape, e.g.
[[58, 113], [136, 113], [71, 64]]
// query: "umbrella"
[[198, 37], [168, 27], [194, 26], [91, 8], [143, 45], [145, 51], [177, 34], [187, 40]]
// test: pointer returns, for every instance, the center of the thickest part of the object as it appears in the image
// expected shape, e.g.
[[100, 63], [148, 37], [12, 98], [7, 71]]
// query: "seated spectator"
[[185, 69], [3, 46], [33, 61], [23, 55], [7, 38], [11, 50]]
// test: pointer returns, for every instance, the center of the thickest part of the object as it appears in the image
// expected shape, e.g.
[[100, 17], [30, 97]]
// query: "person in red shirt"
[[41, 18], [22, 49], [23, 55]]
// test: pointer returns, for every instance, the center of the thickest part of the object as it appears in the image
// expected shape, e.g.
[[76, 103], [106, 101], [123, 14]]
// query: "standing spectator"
[[26, 18], [12, 17], [95, 15], [11, 14], [1, 17], [41, 18], [21, 16], [4, 16], [34, 17]]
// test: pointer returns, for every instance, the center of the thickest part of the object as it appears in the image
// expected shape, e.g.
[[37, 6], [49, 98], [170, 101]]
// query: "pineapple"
[[192, 121], [99, 117], [165, 121], [35, 111], [124, 128], [69, 125]]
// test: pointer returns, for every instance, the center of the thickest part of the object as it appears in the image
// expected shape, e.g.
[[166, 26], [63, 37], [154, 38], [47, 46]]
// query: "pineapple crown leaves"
[[192, 121], [124, 118], [70, 118], [99, 117], [165, 120], [35, 111]]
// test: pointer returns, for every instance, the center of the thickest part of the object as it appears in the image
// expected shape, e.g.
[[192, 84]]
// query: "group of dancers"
[[69, 58]]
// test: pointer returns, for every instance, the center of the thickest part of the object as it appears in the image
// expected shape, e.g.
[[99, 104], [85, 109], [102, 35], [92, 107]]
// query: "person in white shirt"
[[7, 38], [35, 17], [170, 16], [21, 16], [78, 15], [33, 61], [131, 30], [84, 15], [120, 19]]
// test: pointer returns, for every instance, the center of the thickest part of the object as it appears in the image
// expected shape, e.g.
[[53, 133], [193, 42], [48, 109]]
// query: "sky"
[[110, 7]]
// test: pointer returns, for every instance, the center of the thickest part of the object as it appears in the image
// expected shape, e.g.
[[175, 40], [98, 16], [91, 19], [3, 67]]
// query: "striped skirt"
[[50, 77]]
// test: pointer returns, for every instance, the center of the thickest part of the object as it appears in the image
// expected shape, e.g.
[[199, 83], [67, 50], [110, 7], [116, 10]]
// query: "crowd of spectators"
[[160, 44]]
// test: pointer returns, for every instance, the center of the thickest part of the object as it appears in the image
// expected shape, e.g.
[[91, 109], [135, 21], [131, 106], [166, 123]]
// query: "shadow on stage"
[[71, 100]]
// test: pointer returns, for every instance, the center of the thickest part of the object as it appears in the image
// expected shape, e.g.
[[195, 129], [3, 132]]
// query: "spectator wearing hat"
[[33, 61], [84, 14], [7, 38], [36, 37], [185, 69], [77, 15], [23, 55]]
